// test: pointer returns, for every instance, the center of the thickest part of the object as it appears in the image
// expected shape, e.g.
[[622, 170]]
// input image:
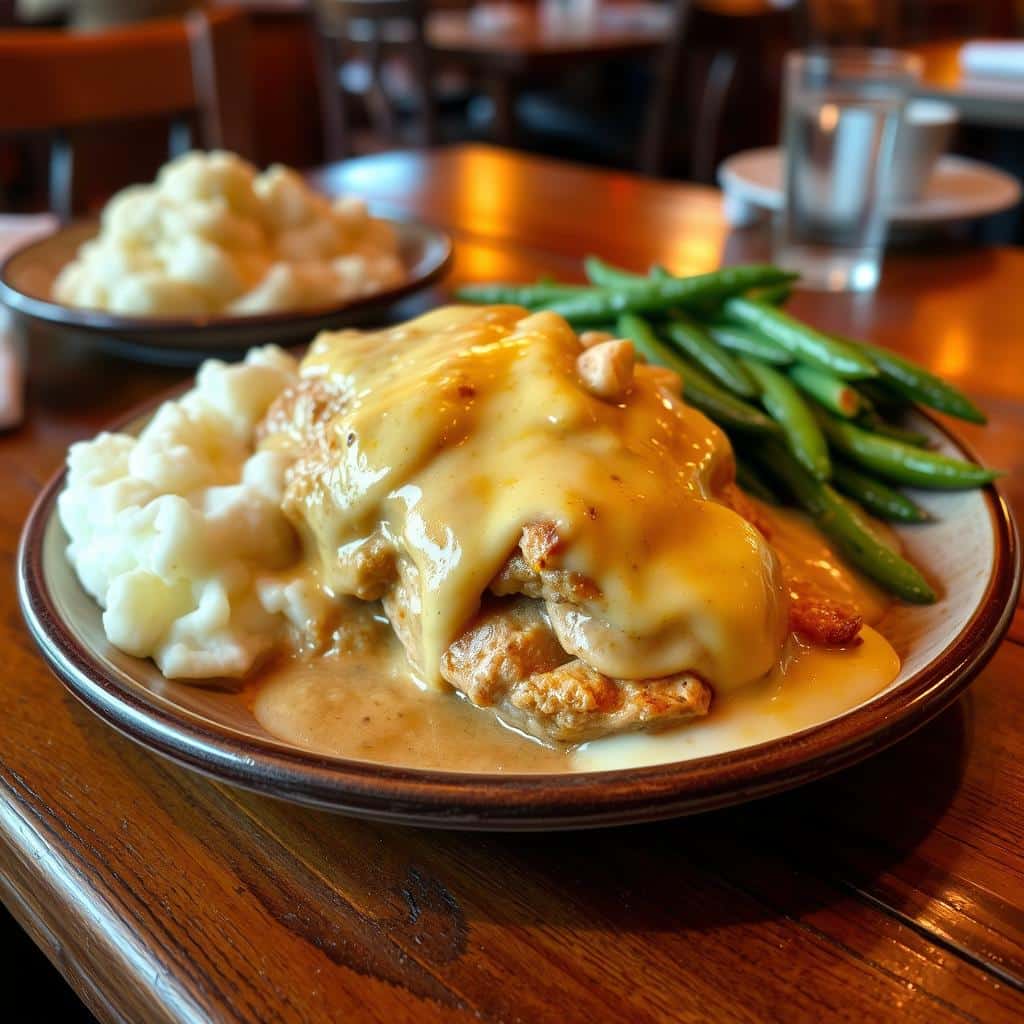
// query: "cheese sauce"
[[364, 704], [443, 437], [455, 430]]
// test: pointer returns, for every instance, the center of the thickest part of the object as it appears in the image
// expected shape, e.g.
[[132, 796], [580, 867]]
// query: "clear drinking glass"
[[842, 112]]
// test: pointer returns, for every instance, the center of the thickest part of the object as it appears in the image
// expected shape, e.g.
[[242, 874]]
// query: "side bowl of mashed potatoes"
[[215, 256]]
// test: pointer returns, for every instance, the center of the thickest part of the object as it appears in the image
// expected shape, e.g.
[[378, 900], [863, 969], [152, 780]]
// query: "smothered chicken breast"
[[549, 528]]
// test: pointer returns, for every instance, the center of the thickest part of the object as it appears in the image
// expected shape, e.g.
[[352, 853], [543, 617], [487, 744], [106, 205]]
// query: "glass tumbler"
[[842, 111]]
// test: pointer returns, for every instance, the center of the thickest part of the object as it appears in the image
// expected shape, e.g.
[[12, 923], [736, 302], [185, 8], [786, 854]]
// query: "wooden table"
[[503, 55], [893, 891], [984, 100]]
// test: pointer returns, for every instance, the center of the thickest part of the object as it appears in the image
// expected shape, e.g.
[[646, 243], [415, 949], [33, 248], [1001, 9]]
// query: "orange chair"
[[179, 70]]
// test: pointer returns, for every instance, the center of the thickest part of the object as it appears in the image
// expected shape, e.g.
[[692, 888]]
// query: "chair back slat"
[[171, 69], [370, 26]]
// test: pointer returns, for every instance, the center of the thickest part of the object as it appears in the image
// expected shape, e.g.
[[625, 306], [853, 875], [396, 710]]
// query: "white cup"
[[923, 137]]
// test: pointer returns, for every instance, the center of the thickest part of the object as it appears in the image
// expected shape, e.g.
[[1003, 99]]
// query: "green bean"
[[802, 342], [751, 482], [529, 295], [875, 496], [604, 275], [877, 393], [873, 422], [842, 522], [834, 394], [651, 296], [747, 343], [774, 295], [917, 384], [902, 463], [784, 404], [691, 339], [698, 389]]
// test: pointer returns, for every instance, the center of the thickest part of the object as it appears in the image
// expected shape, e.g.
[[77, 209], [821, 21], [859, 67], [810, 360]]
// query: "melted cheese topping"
[[363, 703], [455, 430]]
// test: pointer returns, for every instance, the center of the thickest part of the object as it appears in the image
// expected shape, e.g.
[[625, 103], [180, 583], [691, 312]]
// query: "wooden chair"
[[181, 70], [715, 43], [376, 29]]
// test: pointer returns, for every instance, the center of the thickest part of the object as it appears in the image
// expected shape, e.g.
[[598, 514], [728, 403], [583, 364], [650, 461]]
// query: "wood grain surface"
[[892, 891]]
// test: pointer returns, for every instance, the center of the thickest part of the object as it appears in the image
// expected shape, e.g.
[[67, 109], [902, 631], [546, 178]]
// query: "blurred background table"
[[894, 890], [993, 100], [529, 44]]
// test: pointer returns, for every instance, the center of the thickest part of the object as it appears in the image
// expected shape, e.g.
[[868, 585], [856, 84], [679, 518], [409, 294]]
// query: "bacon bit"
[[821, 620], [539, 542]]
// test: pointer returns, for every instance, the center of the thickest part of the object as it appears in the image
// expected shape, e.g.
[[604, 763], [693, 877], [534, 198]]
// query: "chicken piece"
[[575, 703], [516, 577], [532, 570], [508, 642], [509, 659], [819, 619], [556, 585], [540, 543], [300, 411]]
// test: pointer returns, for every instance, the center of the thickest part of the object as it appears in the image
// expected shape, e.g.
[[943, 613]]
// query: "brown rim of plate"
[[509, 801], [98, 320]]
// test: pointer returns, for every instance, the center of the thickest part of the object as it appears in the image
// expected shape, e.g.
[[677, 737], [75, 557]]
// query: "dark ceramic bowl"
[[971, 552], [26, 284]]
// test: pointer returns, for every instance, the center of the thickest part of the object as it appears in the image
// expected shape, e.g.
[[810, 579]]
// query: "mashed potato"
[[179, 535], [211, 235]]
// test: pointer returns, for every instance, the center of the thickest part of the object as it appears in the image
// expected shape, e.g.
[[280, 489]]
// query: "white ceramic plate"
[[970, 553], [959, 189]]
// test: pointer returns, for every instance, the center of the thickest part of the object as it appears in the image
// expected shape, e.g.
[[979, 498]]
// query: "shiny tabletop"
[[893, 890]]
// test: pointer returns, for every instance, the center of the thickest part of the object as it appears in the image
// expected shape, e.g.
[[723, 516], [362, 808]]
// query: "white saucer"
[[959, 189]]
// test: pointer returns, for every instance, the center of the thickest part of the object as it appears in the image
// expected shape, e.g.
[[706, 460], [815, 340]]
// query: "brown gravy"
[[366, 706]]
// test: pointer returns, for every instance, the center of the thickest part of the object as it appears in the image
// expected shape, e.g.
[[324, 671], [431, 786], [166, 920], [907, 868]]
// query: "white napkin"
[[993, 57], [15, 230]]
